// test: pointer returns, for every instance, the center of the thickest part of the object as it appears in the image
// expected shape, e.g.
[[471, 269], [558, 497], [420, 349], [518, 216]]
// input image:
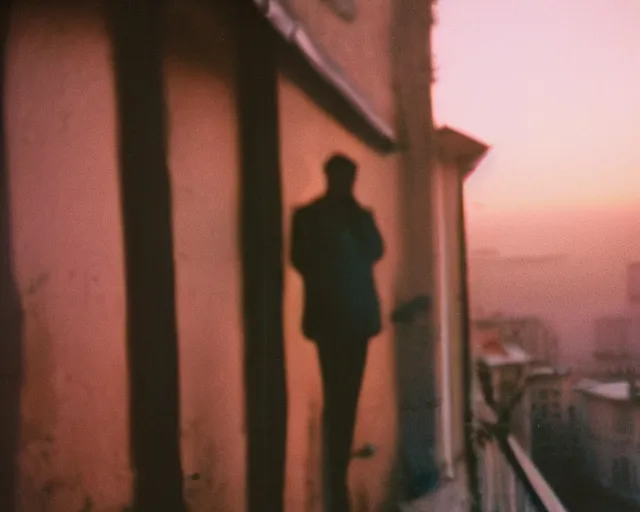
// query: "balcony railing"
[[509, 480]]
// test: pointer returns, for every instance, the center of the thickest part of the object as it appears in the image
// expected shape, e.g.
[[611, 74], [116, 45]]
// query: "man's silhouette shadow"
[[335, 244]]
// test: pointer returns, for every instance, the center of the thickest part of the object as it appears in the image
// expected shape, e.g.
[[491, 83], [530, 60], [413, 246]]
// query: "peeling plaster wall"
[[68, 259], [66, 225], [308, 137], [203, 161]]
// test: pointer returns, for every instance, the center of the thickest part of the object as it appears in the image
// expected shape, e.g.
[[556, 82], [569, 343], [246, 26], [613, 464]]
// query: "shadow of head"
[[340, 171]]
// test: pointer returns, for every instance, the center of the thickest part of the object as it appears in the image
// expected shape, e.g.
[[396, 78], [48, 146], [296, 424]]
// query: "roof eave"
[[462, 149], [295, 35]]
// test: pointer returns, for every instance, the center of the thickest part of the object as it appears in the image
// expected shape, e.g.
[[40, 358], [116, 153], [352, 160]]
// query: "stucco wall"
[[66, 230], [309, 136], [203, 162], [68, 259]]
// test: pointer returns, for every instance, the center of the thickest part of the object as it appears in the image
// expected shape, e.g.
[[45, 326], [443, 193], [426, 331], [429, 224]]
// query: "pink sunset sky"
[[553, 86]]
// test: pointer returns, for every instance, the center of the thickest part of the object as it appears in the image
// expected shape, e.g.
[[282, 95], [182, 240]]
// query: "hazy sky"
[[554, 87]]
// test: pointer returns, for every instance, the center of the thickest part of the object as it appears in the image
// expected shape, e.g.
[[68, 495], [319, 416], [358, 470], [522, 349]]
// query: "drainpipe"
[[444, 310], [467, 362]]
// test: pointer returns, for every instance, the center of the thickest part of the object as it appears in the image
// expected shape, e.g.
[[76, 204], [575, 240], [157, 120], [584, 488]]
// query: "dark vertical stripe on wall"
[[261, 226], [11, 317], [146, 207]]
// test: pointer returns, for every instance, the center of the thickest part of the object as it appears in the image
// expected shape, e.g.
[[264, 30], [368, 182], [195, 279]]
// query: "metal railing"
[[509, 480]]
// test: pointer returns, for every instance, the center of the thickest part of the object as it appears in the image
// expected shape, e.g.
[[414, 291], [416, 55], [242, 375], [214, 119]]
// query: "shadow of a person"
[[335, 244]]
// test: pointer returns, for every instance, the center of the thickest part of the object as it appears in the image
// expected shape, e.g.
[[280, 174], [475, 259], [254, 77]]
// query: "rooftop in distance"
[[618, 390], [510, 354]]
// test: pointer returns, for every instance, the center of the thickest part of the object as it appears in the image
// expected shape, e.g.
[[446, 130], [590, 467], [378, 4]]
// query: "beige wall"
[[309, 136], [361, 49], [68, 262], [203, 161]]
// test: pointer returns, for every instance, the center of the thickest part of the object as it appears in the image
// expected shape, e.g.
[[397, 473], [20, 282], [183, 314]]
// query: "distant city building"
[[509, 365], [617, 336], [616, 345], [553, 419], [633, 283], [608, 416], [530, 333], [612, 336]]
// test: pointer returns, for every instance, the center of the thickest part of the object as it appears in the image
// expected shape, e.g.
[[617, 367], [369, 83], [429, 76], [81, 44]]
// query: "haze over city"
[[552, 87]]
